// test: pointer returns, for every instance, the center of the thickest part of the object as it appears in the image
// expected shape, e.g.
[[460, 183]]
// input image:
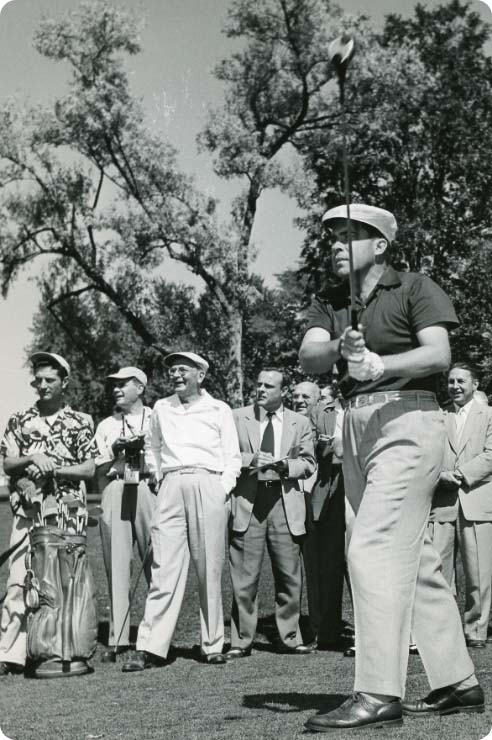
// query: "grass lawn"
[[266, 696]]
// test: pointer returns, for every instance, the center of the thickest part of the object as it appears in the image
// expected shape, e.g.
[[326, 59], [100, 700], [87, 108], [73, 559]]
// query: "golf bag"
[[60, 595]]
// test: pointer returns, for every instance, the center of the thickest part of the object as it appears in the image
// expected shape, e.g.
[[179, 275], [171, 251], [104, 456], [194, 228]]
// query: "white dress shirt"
[[115, 426], [202, 434], [461, 417]]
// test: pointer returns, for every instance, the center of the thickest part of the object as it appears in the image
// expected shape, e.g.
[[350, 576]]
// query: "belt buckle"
[[362, 400]]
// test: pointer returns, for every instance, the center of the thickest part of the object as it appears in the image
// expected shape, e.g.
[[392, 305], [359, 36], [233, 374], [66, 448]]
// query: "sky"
[[181, 44]]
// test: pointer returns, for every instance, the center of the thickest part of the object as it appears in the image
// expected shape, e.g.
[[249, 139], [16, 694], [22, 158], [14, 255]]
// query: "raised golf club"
[[341, 50]]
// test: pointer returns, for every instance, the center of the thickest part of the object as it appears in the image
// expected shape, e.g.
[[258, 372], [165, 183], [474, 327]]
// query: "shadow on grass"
[[294, 702]]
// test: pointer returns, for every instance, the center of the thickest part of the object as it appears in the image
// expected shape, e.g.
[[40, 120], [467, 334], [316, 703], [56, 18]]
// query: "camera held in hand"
[[134, 444], [134, 458]]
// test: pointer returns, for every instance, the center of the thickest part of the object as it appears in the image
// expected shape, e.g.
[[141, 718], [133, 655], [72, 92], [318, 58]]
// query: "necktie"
[[268, 439]]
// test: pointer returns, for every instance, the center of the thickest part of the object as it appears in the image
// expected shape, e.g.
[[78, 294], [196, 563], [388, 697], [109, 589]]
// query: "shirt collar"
[[205, 400], [278, 414], [389, 277], [464, 409], [60, 412]]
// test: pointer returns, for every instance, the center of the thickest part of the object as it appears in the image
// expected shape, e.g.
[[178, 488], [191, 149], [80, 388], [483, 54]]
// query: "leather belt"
[[269, 483], [192, 471], [121, 476], [366, 399]]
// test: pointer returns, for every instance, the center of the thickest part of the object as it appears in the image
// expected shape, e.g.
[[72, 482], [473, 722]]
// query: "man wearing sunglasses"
[[127, 501], [192, 451]]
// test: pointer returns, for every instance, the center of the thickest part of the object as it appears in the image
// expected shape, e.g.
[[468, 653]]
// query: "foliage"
[[100, 341], [418, 139], [419, 146]]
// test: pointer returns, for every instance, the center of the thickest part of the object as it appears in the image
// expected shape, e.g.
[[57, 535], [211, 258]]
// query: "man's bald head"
[[306, 395]]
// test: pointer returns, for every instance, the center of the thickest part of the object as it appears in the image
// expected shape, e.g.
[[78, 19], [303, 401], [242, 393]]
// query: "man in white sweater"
[[192, 452]]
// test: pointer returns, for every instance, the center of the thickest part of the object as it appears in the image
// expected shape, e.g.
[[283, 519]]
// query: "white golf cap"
[[39, 357], [125, 373], [382, 220], [191, 356]]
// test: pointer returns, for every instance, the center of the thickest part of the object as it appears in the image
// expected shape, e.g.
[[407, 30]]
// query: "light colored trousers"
[[127, 513], [13, 621], [190, 520], [392, 459], [475, 545]]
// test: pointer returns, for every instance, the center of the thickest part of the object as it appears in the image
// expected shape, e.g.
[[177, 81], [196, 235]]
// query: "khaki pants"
[[127, 513], [13, 621], [475, 545], [190, 520], [392, 459]]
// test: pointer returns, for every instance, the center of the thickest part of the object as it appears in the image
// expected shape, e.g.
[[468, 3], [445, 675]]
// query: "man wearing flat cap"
[[127, 501], [47, 451], [393, 440], [192, 451]]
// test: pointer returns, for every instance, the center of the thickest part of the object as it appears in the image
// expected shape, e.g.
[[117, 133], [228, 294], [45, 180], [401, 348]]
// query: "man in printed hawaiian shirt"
[[47, 451]]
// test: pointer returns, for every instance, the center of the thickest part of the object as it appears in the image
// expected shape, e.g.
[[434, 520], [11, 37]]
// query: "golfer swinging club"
[[393, 439]]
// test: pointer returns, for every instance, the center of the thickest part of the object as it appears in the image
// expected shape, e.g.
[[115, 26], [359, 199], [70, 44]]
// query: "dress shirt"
[[338, 432], [277, 423], [111, 428], [202, 434], [461, 417]]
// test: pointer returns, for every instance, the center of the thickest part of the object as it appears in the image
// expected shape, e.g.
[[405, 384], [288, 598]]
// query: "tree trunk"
[[234, 375]]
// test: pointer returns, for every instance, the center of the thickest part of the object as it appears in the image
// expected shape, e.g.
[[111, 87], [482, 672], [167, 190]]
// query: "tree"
[[92, 335], [419, 146], [60, 168], [101, 343], [418, 140]]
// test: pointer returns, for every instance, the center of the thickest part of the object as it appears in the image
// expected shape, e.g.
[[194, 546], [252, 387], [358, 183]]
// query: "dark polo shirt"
[[401, 304]]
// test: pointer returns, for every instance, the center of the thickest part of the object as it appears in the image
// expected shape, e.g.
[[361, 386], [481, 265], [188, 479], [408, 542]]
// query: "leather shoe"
[[141, 660], [349, 652], [328, 645], [10, 668], [358, 711], [479, 644], [447, 700], [109, 655], [297, 650], [235, 653], [214, 659]]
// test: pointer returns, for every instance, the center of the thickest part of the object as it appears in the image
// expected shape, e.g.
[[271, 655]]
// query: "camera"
[[134, 444]]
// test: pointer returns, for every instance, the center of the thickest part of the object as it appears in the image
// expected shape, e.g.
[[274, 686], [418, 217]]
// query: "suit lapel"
[[288, 432], [470, 425], [252, 428], [450, 418]]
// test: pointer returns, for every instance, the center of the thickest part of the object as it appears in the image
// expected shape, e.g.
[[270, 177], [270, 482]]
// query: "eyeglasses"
[[178, 370]]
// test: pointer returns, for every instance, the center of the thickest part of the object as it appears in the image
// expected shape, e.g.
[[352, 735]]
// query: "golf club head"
[[341, 50]]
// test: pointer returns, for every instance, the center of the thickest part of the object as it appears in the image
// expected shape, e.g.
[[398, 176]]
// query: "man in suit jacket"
[[462, 505], [267, 507], [323, 548]]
